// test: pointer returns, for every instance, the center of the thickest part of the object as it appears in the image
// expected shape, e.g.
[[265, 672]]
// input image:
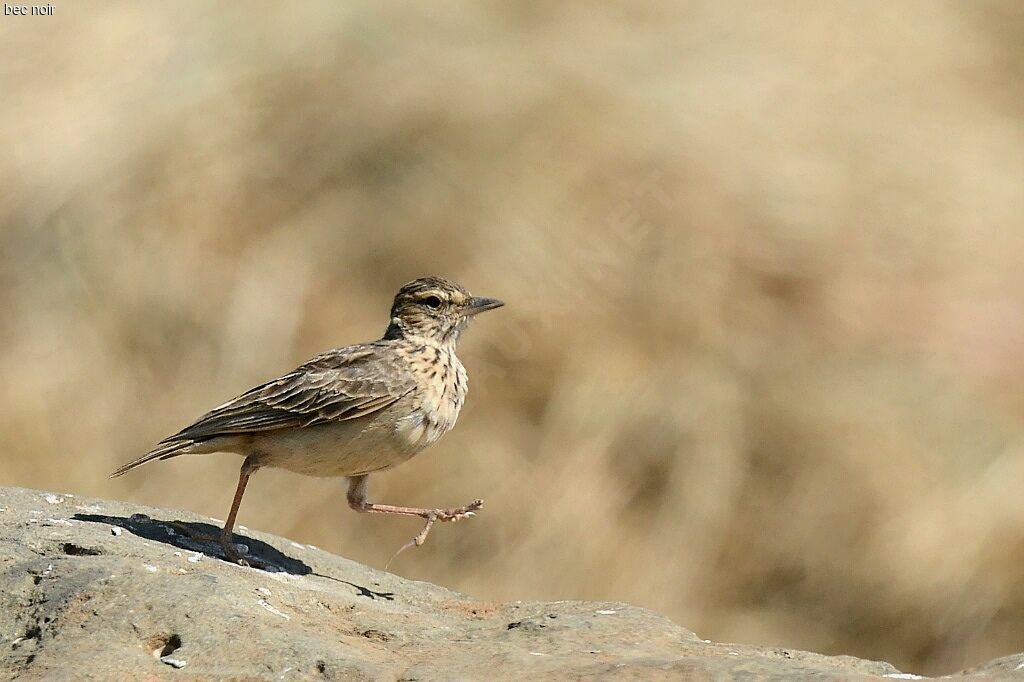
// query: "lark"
[[352, 411]]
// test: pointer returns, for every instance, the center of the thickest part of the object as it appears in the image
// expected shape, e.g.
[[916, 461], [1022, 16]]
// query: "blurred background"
[[761, 366]]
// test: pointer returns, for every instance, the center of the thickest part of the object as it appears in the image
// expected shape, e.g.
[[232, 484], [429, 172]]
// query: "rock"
[[91, 589]]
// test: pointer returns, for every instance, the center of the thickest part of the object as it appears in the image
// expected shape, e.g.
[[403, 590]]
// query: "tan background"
[[761, 367]]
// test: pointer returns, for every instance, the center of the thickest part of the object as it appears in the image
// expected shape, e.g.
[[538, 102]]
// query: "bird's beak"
[[479, 304]]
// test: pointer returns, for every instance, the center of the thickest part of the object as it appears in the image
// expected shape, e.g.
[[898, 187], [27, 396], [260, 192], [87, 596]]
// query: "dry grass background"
[[761, 365]]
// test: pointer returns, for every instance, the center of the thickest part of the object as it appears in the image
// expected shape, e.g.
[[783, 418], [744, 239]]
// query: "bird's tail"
[[165, 450]]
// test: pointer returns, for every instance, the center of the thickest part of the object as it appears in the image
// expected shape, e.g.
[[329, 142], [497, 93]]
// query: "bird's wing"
[[340, 384]]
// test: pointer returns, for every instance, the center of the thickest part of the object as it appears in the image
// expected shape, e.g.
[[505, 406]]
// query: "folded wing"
[[342, 384]]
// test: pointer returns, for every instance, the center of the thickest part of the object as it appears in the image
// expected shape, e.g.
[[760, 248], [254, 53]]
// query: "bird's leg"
[[357, 500], [249, 467]]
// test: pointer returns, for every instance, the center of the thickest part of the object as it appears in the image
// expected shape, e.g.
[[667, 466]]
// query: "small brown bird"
[[350, 411]]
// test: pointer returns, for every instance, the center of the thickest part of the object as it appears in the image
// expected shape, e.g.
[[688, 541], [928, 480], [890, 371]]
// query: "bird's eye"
[[432, 302]]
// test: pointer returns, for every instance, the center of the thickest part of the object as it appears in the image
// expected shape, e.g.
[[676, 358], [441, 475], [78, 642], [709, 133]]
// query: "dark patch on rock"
[[185, 534], [71, 549]]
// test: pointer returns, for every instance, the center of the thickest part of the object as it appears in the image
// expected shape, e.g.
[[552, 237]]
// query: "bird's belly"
[[347, 448], [421, 428]]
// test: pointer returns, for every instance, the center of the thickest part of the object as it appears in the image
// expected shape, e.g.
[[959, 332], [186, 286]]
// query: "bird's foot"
[[434, 515], [242, 558], [454, 513], [228, 547]]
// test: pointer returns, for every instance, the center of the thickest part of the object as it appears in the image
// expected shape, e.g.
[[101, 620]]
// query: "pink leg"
[[357, 500], [249, 467]]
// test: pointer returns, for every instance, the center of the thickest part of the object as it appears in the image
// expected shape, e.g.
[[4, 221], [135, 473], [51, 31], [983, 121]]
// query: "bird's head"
[[433, 309]]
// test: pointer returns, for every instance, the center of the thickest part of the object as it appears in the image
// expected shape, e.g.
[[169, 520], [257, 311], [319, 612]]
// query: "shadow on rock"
[[186, 535], [360, 590]]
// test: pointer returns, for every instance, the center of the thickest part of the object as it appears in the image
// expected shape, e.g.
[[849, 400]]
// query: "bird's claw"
[[432, 517], [458, 512], [248, 562]]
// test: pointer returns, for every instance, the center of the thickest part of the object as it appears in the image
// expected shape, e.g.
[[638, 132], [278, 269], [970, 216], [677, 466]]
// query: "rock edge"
[[96, 589]]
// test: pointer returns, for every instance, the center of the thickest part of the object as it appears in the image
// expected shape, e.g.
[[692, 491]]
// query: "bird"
[[351, 411]]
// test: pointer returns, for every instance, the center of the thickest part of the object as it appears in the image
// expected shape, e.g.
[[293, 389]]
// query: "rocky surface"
[[93, 589]]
